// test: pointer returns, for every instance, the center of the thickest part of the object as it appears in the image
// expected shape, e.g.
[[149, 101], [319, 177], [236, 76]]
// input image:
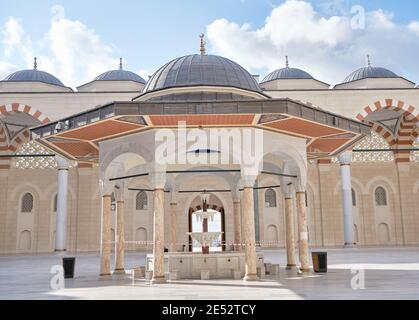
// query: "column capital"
[[62, 163], [119, 191], [345, 158], [287, 190], [105, 188], [158, 179], [300, 185], [248, 181], [235, 194]]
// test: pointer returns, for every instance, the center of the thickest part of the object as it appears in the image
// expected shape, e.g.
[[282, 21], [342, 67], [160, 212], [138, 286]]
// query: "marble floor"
[[385, 273]]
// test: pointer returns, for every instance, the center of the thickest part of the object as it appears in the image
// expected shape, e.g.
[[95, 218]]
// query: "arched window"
[[270, 198], [353, 198], [141, 201], [27, 203], [54, 208], [380, 197]]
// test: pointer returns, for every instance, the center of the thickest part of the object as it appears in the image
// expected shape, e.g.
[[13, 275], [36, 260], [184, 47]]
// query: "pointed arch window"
[[270, 198], [27, 202], [380, 197], [141, 201]]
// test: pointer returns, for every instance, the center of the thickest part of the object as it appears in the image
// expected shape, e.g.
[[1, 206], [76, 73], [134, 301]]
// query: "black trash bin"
[[319, 262], [68, 265]]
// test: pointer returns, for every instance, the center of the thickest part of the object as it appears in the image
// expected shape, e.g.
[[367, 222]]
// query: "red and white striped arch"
[[408, 127], [19, 107], [7, 147], [391, 104]]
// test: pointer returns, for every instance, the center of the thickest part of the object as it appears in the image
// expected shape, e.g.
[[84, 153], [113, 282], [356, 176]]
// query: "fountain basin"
[[189, 265], [205, 239]]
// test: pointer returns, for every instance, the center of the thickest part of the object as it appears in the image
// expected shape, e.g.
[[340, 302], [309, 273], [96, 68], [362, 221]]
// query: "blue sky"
[[92, 35]]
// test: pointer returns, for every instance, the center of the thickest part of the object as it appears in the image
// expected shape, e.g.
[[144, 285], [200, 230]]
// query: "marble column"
[[289, 230], [237, 226], [120, 238], [345, 174], [302, 232], [158, 237], [62, 193], [105, 251], [249, 234], [205, 249], [173, 227]]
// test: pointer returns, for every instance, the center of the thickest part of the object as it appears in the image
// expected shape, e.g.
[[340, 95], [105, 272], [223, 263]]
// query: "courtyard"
[[390, 273]]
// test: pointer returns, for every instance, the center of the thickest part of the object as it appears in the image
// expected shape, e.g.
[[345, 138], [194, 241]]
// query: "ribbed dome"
[[287, 73], [34, 75], [201, 70], [119, 75], [370, 72]]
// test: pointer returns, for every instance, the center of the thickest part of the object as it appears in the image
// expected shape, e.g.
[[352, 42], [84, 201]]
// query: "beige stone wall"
[[394, 224], [348, 102]]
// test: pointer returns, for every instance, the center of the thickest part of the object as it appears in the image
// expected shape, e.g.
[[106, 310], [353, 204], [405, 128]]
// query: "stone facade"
[[385, 193], [396, 223]]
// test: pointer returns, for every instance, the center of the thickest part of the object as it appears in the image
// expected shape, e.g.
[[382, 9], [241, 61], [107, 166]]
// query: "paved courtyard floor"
[[390, 273]]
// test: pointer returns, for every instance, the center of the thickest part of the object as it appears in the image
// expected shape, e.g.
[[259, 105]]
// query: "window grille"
[[141, 201], [27, 203]]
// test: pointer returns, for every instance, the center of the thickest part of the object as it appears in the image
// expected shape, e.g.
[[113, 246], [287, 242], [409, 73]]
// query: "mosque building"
[[339, 166]]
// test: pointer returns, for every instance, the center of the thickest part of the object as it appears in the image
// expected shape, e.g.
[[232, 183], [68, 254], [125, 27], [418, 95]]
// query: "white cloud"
[[15, 40], [145, 73], [414, 26], [327, 47], [69, 50], [6, 69], [380, 19], [77, 52]]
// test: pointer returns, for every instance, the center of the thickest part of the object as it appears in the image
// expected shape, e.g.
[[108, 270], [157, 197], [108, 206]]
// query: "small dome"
[[202, 70], [119, 75], [287, 73], [34, 75], [369, 72]]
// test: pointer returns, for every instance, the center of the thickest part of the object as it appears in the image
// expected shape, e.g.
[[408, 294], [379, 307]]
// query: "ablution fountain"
[[204, 265]]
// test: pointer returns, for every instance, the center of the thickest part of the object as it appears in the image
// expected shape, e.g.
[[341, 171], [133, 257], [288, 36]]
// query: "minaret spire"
[[202, 48], [368, 61], [120, 64], [35, 64], [287, 65]]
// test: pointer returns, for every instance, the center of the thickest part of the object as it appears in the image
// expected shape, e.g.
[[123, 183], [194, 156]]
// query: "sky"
[[77, 40]]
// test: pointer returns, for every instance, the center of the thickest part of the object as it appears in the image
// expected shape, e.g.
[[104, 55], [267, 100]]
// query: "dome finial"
[[368, 61], [202, 48], [35, 64], [120, 63], [287, 65]]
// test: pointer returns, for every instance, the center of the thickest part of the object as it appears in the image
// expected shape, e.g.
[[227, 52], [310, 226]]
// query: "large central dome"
[[201, 70]]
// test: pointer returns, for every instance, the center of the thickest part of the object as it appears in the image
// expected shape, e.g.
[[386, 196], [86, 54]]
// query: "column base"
[[290, 266], [60, 253], [304, 270], [119, 271], [349, 245], [157, 280], [251, 277], [105, 276]]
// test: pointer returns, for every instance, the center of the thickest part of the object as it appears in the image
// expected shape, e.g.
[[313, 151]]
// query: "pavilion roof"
[[327, 134]]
